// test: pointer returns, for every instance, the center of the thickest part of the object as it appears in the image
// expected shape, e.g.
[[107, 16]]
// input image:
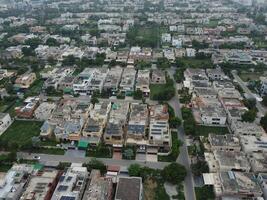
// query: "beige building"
[[24, 81]]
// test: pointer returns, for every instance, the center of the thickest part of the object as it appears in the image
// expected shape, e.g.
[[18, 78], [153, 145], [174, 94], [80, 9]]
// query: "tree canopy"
[[174, 173]]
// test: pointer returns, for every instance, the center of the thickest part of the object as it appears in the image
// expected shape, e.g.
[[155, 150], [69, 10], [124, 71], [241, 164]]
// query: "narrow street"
[[183, 156]]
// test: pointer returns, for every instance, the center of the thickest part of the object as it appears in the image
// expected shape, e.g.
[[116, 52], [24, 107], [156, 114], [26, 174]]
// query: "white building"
[[166, 37], [190, 52], [5, 122]]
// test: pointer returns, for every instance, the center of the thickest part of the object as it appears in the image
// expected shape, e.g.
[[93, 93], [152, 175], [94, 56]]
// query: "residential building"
[[239, 185], [246, 128], [215, 74], [158, 77], [81, 84], [166, 37], [143, 81], [213, 115], [263, 89], [44, 110], [113, 79], [226, 142], [42, 185], [115, 129], [71, 183], [127, 84], [238, 57], [262, 180], [12, 183], [251, 143], [190, 52], [27, 109], [160, 136], [97, 80], [138, 122]]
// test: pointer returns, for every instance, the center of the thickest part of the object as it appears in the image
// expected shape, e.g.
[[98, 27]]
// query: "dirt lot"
[[149, 189]]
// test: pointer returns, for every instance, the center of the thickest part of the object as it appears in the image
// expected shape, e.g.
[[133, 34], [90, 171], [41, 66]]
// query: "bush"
[[96, 164], [134, 170]]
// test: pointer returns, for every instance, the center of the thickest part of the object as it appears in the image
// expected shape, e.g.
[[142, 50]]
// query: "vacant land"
[[144, 36], [247, 76], [205, 130], [196, 63], [21, 132]]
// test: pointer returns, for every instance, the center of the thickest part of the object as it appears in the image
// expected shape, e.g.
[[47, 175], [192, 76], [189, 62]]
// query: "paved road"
[[241, 83], [183, 156], [108, 161]]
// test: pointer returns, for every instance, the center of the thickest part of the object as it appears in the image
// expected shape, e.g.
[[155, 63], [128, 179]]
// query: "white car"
[[36, 157]]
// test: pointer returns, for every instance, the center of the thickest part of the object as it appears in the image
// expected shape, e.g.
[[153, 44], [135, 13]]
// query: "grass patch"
[[156, 88], [144, 36], [101, 151], [246, 76], [21, 132], [162, 92], [206, 130], [176, 143]]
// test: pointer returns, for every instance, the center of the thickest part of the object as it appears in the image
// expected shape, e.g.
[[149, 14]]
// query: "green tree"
[[96, 164], [52, 42], [69, 60], [134, 170], [264, 101], [199, 168], [138, 94], [263, 122], [174, 173], [249, 116], [163, 63], [28, 51], [33, 42], [175, 122]]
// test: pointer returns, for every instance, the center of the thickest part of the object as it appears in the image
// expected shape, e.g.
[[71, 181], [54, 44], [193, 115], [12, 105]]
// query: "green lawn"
[[213, 23], [156, 88], [21, 132], [206, 130]]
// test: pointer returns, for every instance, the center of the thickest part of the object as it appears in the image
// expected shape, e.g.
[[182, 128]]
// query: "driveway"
[[75, 153], [140, 157]]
